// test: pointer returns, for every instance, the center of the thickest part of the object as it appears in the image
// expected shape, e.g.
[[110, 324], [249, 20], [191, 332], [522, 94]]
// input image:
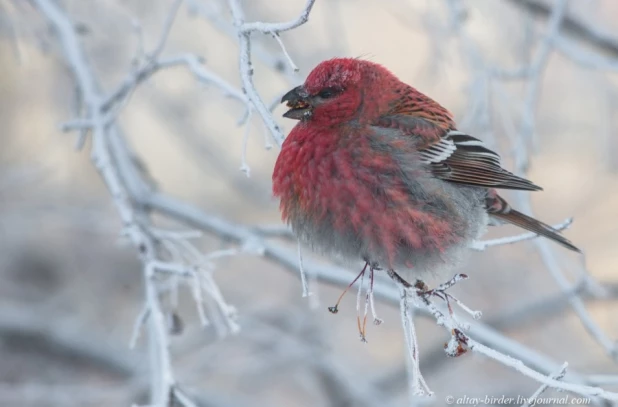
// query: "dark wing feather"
[[499, 208], [455, 156]]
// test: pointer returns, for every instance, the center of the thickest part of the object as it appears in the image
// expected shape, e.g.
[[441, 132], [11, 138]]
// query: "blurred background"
[[71, 285]]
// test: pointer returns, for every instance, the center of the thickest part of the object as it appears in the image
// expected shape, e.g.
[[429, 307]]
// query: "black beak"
[[298, 101]]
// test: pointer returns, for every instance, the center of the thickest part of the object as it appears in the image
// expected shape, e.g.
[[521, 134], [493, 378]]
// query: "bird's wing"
[[455, 156]]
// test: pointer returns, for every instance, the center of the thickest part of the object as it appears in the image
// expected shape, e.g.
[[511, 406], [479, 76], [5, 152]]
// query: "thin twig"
[[244, 31], [557, 376], [340, 277], [484, 244]]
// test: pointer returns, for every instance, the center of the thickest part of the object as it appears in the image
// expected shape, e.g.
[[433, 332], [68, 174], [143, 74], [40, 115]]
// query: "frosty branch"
[[490, 342], [244, 31], [522, 134], [460, 342], [114, 162], [168, 256]]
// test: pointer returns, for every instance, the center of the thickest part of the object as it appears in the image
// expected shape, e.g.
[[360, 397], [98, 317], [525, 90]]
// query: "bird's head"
[[339, 90]]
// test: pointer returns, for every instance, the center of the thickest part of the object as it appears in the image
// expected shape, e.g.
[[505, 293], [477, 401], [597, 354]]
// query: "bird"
[[375, 170]]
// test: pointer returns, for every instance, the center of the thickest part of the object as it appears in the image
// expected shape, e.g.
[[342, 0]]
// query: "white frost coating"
[[482, 245], [451, 346], [558, 376], [303, 275], [112, 172], [244, 31], [115, 162], [461, 342], [418, 385], [244, 165], [374, 314]]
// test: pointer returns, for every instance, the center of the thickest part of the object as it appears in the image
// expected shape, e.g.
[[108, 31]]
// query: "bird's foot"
[[335, 308], [458, 344], [425, 292], [369, 301]]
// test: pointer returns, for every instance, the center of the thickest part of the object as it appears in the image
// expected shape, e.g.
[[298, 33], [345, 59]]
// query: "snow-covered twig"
[[113, 161], [303, 275], [196, 269], [337, 276], [583, 57], [244, 31], [165, 32], [276, 28], [244, 165], [589, 32], [460, 342], [130, 205], [192, 62], [140, 321], [162, 376], [583, 390], [557, 376], [484, 244], [211, 12], [533, 73], [285, 52], [418, 385], [536, 69], [550, 259], [528, 107]]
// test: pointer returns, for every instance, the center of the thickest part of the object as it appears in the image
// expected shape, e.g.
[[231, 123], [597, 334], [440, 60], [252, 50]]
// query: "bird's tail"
[[499, 208]]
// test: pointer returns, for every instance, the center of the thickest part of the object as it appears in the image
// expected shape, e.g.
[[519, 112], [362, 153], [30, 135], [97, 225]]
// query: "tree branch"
[[582, 30]]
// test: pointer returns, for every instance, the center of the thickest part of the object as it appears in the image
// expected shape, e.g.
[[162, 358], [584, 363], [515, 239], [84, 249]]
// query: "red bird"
[[376, 170]]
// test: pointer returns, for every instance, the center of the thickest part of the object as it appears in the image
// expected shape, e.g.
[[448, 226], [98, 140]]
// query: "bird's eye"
[[327, 93]]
